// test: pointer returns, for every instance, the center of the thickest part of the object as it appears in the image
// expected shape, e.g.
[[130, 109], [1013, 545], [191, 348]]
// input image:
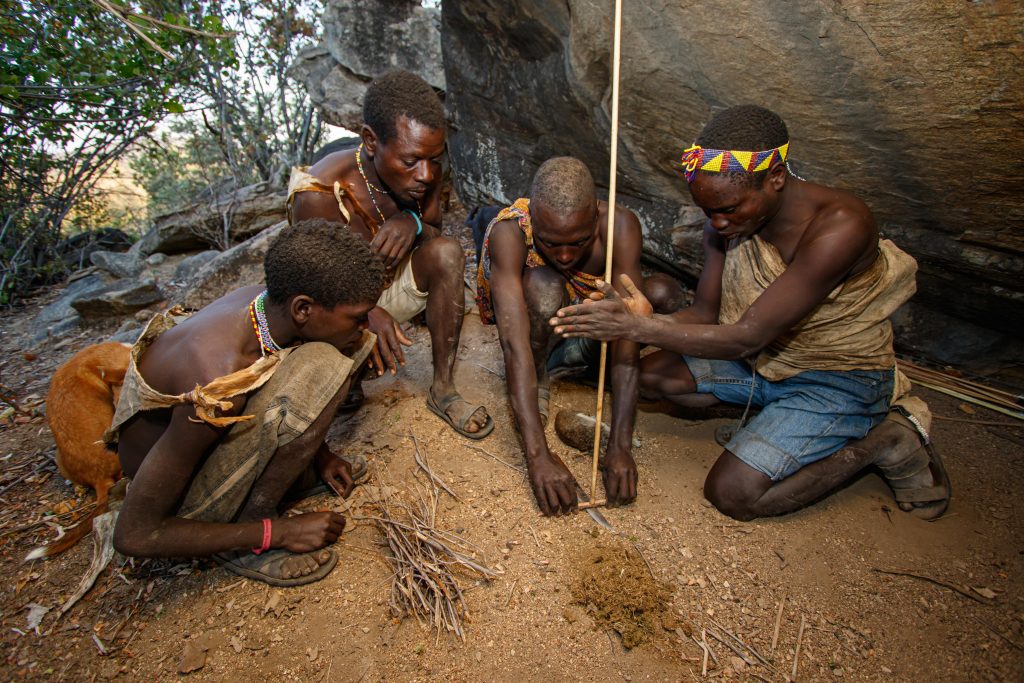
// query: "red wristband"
[[266, 538]]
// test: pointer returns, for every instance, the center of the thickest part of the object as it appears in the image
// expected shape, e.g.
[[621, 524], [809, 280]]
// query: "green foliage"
[[252, 125], [77, 88]]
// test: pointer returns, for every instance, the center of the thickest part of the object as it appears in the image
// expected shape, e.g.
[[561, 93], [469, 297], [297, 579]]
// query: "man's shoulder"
[[506, 240], [838, 210], [334, 166], [200, 348], [626, 220]]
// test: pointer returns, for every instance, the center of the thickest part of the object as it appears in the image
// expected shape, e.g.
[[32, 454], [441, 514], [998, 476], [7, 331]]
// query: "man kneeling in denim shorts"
[[791, 314]]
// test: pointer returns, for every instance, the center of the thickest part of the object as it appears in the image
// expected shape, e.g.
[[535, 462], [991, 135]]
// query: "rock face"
[[915, 107], [237, 267], [361, 41], [123, 297], [60, 316], [247, 211], [127, 264]]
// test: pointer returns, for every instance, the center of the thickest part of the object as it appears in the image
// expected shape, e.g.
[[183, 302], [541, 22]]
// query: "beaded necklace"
[[258, 315], [370, 187]]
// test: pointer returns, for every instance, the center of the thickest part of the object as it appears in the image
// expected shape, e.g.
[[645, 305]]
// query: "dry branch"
[[427, 561], [938, 582]]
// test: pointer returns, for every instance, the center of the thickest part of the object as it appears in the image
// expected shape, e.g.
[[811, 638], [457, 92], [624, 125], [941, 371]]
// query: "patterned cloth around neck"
[[578, 284]]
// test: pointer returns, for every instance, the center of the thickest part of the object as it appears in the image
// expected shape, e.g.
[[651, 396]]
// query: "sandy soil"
[[146, 620]]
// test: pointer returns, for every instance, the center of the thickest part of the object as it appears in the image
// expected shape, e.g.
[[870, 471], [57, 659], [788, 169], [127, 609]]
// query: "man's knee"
[[727, 501], [445, 254], [732, 490], [664, 374], [544, 292], [664, 293]]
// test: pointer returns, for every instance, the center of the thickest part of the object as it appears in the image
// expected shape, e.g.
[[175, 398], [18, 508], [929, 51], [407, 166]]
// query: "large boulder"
[[239, 266], [362, 40], [119, 298], [60, 316], [220, 221], [192, 264], [118, 264], [915, 107]]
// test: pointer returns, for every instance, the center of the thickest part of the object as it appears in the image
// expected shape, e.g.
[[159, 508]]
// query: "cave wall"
[[361, 40], [915, 107]]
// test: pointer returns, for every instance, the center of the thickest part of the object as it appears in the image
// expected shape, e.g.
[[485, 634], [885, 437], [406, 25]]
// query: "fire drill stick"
[[616, 43]]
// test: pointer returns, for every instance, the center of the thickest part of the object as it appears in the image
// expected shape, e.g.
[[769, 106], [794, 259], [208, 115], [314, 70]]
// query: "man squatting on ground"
[[538, 255], [791, 314], [388, 191], [220, 419]]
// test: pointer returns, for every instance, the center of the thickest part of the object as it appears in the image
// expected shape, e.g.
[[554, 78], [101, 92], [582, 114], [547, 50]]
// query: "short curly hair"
[[324, 260], [563, 185], [397, 94], [746, 127]]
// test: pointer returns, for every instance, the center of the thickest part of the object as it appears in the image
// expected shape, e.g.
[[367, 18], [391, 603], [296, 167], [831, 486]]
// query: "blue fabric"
[[804, 418], [575, 352]]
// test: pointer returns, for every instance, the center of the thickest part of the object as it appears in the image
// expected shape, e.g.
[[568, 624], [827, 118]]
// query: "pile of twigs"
[[427, 561], [966, 390]]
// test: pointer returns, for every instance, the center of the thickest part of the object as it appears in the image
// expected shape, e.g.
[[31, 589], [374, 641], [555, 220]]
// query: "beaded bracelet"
[[419, 223]]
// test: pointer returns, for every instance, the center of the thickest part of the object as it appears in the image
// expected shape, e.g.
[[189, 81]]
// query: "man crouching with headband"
[[790, 315]]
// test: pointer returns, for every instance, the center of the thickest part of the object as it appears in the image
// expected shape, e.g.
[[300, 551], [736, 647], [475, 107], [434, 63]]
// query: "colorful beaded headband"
[[696, 158]]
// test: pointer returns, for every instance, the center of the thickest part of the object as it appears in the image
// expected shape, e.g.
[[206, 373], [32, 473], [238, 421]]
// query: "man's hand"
[[307, 532], [620, 477], [605, 316], [387, 354], [553, 485], [394, 239], [335, 472]]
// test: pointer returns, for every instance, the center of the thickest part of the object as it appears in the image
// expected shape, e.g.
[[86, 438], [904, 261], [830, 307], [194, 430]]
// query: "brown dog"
[[79, 408]]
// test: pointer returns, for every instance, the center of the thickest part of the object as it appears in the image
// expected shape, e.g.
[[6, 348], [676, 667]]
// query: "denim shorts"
[[575, 352], [804, 418]]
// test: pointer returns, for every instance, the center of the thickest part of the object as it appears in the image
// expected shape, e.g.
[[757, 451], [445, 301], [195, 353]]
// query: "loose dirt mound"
[[618, 591]]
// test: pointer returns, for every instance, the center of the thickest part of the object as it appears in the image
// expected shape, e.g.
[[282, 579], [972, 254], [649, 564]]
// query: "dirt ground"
[[146, 620]]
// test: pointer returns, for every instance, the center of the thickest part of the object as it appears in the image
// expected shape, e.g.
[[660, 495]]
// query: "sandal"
[[459, 421], [267, 566], [904, 456]]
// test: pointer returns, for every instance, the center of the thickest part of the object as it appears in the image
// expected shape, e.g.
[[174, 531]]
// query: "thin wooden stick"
[[757, 655], [981, 423], [938, 582], [106, 6], [610, 245], [799, 639], [492, 456], [704, 646], [963, 397], [915, 368], [778, 623]]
